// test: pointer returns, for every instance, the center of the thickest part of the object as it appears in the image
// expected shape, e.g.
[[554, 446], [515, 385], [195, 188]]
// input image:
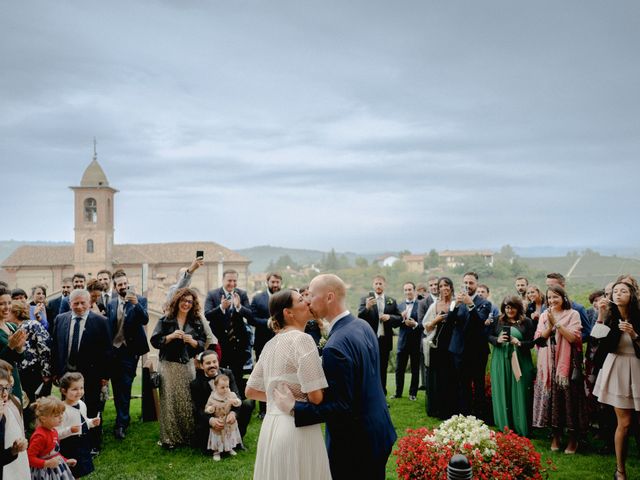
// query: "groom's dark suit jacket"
[[359, 431]]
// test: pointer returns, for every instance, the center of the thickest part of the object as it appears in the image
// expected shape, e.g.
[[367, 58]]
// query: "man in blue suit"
[[127, 314], [79, 281], [470, 348], [260, 318], [409, 339], [81, 342], [359, 431], [53, 307], [225, 309]]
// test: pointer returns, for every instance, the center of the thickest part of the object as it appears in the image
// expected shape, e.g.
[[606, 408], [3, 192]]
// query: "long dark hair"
[[633, 310], [449, 282], [558, 290]]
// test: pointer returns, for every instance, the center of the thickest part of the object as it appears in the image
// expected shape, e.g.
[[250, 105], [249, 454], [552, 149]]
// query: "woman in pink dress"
[[618, 382]]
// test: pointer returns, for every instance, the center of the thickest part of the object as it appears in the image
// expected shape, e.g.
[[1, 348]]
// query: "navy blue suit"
[[232, 332], [94, 352], [470, 348], [408, 348], [125, 357], [53, 309], [385, 342], [359, 431], [259, 318]]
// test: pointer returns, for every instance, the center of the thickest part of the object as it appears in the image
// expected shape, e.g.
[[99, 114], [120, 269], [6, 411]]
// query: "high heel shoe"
[[615, 474]]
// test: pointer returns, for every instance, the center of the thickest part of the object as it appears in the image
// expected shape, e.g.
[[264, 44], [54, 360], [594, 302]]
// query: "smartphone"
[[372, 294], [507, 331], [199, 253], [465, 289]]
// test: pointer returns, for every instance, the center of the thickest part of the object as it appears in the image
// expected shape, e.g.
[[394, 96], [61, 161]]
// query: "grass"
[[138, 456]]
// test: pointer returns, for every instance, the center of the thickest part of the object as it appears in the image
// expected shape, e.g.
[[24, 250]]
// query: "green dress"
[[512, 400], [12, 357]]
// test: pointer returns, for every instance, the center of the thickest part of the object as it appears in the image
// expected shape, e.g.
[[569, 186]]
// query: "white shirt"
[[81, 325]]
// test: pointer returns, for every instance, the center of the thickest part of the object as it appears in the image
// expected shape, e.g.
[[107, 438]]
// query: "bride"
[[289, 359]]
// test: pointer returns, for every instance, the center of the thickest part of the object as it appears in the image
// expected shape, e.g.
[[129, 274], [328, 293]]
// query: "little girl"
[[219, 404], [44, 451], [74, 430]]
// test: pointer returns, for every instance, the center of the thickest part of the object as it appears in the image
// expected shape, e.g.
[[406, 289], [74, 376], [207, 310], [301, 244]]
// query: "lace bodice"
[[290, 357]]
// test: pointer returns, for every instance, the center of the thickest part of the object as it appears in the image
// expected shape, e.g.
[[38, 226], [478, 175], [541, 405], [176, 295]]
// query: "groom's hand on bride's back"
[[283, 398]]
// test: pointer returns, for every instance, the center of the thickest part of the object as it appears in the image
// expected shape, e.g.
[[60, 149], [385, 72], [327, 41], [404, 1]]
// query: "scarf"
[[570, 321]]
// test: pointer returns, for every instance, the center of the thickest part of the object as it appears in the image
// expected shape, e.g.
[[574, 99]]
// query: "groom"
[[359, 431]]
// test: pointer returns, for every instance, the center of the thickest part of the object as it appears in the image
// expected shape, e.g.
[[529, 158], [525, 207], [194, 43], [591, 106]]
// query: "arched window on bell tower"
[[89, 246], [91, 210]]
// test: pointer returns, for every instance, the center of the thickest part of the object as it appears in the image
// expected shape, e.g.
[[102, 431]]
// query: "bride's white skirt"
[[286, 452]]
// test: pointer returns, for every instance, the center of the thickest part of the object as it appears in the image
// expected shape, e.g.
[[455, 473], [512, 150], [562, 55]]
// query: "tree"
[[361, 262], [431, 260]]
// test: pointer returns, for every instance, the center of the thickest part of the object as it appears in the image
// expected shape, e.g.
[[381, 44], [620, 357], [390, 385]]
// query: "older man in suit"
[[226, 309], [409, 339], [260, 319], [359, 431], [127, 314], [381, 312], [82, 343]]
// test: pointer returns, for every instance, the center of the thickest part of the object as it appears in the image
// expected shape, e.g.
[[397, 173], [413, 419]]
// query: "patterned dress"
[[43, 446], [229, 437]]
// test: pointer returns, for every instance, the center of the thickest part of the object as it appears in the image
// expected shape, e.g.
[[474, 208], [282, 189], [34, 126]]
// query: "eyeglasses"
[[187, 302], [5, 389]]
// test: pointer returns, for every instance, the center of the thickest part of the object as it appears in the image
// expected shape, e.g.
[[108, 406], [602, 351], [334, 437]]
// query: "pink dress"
[[618, 382]]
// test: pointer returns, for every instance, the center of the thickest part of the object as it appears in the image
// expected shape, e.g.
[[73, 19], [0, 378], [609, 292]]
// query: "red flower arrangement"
[[515, 458]]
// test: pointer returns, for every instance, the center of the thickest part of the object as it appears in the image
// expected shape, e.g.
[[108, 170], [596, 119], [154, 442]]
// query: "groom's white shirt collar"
[[336, 320]]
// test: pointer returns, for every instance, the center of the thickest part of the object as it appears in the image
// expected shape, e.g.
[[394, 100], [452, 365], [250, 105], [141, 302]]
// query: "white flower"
[[461, 430]]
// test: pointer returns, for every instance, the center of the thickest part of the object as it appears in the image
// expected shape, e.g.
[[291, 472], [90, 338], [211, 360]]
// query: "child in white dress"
[[220, 402]]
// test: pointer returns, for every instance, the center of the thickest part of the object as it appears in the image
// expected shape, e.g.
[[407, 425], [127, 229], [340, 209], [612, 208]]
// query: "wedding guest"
[[35, 366], [12, 340], [618, 383], [559, 400], [13, 445], [179, 336], [38, 307], [409, 339], [438, 322], [536, 303], [95, 289], [512, 369]]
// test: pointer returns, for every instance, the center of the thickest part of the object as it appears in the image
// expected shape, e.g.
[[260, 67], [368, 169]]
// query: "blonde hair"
[[48, 406]]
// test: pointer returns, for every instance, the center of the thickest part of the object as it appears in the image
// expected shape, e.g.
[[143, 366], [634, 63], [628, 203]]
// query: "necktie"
[[75, 341], [105, 300], [83, 421]]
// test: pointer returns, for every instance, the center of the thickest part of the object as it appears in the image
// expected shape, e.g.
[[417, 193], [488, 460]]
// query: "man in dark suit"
[[104, 277], [79, 282], [81, 342], [359, 431], [381, 312], [201, 388], [470, 347], [53, 307], [127, 314], [225, 309], [409, 338], [260, 318]]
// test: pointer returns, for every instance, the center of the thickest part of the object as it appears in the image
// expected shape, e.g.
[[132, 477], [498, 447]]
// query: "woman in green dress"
[[12, 340], [512, 370]]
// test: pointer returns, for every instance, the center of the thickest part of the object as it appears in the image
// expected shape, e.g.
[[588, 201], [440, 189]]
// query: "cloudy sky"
[[360, 125]]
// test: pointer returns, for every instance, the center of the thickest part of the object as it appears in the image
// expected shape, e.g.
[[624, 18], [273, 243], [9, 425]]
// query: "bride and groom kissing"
[[303, 390]]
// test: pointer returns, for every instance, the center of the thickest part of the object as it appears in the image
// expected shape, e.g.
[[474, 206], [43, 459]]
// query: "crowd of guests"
[[586, 369]]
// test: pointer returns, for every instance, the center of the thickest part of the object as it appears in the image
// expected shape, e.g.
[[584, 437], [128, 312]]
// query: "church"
[[151, 267]]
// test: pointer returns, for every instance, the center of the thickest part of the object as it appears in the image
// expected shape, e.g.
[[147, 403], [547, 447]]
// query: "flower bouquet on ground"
[[424, 454]]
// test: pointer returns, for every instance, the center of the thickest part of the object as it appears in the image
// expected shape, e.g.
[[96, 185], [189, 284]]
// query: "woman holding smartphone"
[[438, 323], [618, 383], [512, 369]]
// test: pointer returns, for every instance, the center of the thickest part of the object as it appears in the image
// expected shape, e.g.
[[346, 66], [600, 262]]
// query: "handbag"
[[576, 374]]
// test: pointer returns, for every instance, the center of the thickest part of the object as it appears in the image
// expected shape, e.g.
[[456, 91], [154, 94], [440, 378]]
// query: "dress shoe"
[[397, 396], [422, 388], [94, 452], [119, 433], [241, 448], [412, 398], [261, 416]]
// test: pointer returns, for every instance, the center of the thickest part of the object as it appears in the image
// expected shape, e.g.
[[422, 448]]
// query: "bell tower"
[[93, 249]]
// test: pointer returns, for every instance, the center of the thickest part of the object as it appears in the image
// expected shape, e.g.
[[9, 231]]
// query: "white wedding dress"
[[286, 452]]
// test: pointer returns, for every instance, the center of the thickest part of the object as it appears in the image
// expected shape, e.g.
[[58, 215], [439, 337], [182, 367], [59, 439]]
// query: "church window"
[[90, 210], [89, 246]]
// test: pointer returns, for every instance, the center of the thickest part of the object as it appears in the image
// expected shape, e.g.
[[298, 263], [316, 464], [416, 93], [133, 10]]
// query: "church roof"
[[152, 253], [94, 176]]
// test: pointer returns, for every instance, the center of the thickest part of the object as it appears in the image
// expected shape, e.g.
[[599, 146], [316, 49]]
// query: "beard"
[[273, 290]]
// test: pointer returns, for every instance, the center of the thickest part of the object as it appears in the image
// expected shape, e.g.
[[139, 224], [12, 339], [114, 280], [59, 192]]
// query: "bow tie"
[[410, 303]]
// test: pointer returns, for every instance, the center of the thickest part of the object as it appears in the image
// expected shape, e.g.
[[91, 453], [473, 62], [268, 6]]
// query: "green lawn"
[[138, 456]]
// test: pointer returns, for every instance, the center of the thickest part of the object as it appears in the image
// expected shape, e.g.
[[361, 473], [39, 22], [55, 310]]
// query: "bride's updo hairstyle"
[[277, 303]]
